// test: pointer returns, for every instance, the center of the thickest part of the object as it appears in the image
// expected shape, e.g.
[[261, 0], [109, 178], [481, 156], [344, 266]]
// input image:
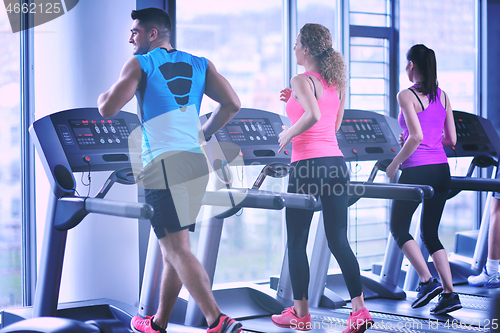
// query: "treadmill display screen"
[[365, 130], [468, 131], [249, 131], [95, 134]]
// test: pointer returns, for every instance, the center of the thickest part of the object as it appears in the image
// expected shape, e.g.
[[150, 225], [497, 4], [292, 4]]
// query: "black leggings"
[[437, 176], [327, 178]]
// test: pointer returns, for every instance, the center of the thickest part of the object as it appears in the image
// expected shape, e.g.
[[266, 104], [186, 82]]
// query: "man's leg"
[[494, 232], [175, 248], [491, 268], [170, 287]]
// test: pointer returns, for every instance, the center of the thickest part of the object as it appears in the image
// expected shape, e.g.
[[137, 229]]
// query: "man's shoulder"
[[184, 54]]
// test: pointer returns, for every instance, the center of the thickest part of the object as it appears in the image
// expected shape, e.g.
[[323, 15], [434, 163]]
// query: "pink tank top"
[[430, 150], [320, 140]]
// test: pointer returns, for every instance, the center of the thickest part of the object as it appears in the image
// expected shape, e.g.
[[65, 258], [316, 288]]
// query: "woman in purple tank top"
[[427, 121]]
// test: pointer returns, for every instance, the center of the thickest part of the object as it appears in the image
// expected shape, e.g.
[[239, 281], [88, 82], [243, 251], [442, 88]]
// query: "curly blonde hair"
[[319, 41]]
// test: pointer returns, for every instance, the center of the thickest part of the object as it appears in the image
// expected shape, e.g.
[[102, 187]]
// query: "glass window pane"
[[366, 41], [245, 43], [245, 46], [10, 187], [369, 6], [367, 86], [367, 53], [452, 37], [369, 19], [371, 103], [318, 11], [369, 13], [366, 69]]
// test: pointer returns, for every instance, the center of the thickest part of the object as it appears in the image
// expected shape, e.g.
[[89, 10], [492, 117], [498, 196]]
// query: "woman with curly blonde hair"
[[315, 105]]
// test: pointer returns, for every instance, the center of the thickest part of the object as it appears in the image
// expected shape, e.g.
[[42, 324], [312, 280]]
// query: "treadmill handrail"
[[475, 184], [244, 197], [71, 210], [387, 191], [428, 190], [133, 210]]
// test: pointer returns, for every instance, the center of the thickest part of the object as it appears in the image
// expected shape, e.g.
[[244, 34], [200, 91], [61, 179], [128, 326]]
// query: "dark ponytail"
[[425, 61]]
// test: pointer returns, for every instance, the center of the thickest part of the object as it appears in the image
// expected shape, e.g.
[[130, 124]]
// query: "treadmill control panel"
[[95, 133], [368, 136], [248, 131], [256, 133], [88, 141], [365, 130], [475, 136], [468, 131]]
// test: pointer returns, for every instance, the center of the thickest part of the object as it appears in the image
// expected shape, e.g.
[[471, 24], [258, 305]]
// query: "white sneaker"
[[479, 280], [494, 281]]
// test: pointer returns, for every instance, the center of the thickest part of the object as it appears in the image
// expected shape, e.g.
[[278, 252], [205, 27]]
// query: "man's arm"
[[122, 91], [219, 89]]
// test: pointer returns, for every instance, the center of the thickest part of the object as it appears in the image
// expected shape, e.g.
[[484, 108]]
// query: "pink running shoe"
[[289, 319], [359, 322], [140, 325]]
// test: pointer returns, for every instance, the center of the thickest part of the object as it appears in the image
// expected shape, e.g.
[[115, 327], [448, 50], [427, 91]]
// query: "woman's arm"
[[304, 94], [450, 131], [405, 100]]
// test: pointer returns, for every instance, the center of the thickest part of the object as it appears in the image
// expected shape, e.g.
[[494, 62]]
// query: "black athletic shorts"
[[175, 184]]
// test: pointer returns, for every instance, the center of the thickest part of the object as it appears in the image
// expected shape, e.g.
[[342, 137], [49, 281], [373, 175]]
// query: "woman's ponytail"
[[425, 61]]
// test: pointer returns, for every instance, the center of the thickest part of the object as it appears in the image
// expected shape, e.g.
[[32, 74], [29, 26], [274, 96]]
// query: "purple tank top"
[[430, 150]]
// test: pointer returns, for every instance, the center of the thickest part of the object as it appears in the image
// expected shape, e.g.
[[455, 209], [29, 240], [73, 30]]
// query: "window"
[[10, 218], [245, 43], [371, 49], [318, 11], [369, 74], [369, 13], [15, 138]]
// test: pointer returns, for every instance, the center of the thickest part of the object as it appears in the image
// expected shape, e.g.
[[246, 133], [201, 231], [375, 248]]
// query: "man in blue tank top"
[[169, 86]]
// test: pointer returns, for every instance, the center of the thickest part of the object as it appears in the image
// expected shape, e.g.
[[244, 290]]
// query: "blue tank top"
[[169, 95]]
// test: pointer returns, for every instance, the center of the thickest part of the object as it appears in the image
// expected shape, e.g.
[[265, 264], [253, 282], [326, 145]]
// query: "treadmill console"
[[256, 132], [366, 136], [475, 136], [95, 134], [362, 131], [248, 131], [88, 141]]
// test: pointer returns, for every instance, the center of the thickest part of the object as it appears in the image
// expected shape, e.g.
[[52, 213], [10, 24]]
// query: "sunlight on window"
[[10, 200], [245, 43]]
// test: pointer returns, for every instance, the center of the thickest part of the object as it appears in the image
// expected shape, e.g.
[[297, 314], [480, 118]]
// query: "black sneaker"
[[426, 292], [447, 304]]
